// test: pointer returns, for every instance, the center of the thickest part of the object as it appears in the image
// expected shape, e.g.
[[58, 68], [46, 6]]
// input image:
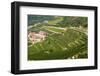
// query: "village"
[[37, 37]]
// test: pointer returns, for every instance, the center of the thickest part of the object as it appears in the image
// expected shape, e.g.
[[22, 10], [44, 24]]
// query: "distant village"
[[35, 37]]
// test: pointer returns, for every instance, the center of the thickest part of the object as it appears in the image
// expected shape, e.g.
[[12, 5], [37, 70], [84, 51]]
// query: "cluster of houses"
[[37, 37]]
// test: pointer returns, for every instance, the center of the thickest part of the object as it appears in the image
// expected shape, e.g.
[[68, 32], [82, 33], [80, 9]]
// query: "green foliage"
[[74, 21]]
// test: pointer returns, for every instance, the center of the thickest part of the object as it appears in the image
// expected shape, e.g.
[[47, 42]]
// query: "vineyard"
[[60, 42]]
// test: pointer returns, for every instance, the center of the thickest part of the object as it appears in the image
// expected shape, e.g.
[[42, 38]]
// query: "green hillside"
[[64, 40]]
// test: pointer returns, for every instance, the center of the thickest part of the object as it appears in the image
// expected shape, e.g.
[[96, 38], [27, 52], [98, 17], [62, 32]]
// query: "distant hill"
[[74, 21], [63, 21], [32, 19]]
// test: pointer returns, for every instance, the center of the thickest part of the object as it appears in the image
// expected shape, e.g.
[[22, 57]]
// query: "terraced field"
[[61, 43]]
